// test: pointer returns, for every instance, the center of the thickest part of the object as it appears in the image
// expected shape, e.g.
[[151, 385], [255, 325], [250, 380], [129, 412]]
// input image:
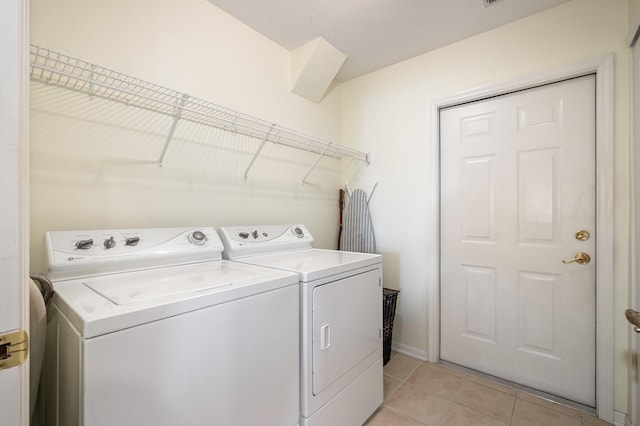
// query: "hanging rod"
[[64, 71]]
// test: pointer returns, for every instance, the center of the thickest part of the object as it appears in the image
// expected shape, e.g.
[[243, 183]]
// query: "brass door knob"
[[581, 258]]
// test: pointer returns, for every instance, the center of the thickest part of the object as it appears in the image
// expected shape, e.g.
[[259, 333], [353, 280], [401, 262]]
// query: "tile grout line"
[[469, 378], [513, 409], [513, 391], [520, 389], [402, 382]]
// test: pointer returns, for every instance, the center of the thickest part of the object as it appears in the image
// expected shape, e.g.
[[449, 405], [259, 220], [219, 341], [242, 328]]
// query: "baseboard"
[[409, 350], [621, 419]]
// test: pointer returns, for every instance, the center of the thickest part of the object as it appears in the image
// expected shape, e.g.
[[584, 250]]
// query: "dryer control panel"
[[75, 254], [241, 241]]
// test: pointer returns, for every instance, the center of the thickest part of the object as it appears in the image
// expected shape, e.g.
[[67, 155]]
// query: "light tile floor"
[[421, 393]]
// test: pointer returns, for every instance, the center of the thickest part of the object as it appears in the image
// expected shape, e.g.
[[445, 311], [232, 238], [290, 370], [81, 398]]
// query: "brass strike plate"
[[582, 235], [14, 349]]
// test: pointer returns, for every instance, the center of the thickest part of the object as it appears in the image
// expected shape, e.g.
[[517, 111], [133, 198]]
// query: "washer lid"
[[100, 305], [313, 264], [158, 284]]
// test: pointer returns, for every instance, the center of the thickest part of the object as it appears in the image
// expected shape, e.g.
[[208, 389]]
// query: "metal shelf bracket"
[[255, 156], [304, 179], [177, 111]]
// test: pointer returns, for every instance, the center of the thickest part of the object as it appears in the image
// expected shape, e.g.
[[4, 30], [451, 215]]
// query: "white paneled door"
[[518, 199]]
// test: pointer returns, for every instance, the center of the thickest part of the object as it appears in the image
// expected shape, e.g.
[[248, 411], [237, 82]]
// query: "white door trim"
[[635, 208], [14, 28], [603, 68], [24, 170]]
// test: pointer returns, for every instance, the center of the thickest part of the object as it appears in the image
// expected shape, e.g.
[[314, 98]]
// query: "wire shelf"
[[64, 71]]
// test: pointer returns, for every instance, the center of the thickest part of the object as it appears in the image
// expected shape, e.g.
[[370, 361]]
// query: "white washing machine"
[[341, 319], [152, 327]]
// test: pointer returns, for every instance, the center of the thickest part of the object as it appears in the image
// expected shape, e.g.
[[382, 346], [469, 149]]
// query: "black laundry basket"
[[389, 298]]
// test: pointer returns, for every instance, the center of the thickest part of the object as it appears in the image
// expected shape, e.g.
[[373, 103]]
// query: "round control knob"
[[110, 243], [244, 235], [84, 244], [197, 237], [298, 232]]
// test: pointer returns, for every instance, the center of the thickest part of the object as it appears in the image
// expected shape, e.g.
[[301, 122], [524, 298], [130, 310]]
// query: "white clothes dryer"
[[152, 327], [341, 319]]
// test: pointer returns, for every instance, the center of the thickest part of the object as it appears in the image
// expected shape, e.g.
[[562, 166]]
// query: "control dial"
[[84, 244], [197, 238], [132, 241], [298, 232], [110, 243]]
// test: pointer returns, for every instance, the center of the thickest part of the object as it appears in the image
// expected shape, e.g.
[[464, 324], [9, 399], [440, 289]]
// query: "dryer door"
[[347, 316]]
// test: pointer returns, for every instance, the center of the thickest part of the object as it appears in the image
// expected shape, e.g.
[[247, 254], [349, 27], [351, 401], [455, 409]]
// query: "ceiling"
[[377, 33]]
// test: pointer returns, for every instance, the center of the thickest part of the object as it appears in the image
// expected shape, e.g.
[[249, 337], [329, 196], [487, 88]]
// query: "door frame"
[[14, 382], [633, 42], [603, 68]]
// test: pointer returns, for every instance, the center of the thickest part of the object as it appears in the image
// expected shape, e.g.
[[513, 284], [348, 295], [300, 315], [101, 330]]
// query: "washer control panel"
[[74, 254], [240, 241]]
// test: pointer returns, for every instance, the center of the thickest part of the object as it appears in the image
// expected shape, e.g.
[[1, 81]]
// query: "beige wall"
[[389, 113], [91, 159]]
